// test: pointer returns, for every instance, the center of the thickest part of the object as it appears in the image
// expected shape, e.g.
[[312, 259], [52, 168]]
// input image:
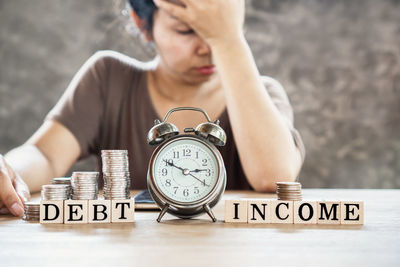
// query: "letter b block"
[[123, 210], [99, 211], [75, 211], [51, 211]]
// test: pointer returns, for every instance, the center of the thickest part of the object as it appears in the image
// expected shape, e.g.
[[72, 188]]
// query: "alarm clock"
[[186, 175]]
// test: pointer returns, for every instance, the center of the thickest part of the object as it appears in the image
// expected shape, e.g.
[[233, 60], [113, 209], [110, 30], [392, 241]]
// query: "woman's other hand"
[[13, 190], [216, 21]]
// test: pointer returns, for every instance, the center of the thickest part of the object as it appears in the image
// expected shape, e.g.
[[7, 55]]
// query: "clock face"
[[186, 170]]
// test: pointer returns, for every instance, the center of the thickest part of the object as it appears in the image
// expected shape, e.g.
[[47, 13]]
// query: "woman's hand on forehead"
[[216, 21]]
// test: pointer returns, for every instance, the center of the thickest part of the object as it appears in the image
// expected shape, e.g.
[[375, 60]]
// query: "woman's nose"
[[203, 48]]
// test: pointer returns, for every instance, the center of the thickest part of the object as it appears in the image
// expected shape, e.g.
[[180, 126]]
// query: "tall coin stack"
[[288, 191], [85, 185], [55, 192], [63, 180], [32, 212], [116, 175]]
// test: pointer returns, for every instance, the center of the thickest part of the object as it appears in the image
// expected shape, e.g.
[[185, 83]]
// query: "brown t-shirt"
[[107, 106]]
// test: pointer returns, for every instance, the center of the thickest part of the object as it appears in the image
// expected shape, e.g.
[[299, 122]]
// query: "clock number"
[[204, 162], [168, 182], [204, 182], [186, 192], [197, 154], [169, 162], [187, 152], [176, 189], [176, 154], [164, 171], [196, 190], [208, 172]]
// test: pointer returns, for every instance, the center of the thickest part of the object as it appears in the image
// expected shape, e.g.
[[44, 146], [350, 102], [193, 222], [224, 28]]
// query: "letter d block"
[[281, 211], [352, 212], [123, 210], [99, 211], [305, 212], [51, 211], [75, 211], [236, 211]]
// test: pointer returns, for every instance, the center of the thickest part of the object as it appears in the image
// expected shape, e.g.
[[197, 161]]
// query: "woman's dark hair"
[[144, 9]]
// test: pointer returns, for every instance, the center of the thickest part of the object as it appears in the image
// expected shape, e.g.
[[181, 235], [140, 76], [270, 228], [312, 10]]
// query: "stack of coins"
[[63, 180], [288, 191], [32, 212], [116, 175], [85, 185], [55, 192]]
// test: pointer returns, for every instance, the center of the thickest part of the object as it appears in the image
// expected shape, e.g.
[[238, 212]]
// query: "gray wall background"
[[338, 60]]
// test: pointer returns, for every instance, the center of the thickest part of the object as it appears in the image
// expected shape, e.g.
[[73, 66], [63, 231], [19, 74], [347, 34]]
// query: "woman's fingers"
[[173, 9], [8, 195], [22, 188]]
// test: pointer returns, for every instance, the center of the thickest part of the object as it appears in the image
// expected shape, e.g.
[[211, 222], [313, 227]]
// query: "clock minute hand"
[[173, 165]]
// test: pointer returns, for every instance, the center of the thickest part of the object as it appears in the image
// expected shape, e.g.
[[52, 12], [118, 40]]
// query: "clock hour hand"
[[199, 170]]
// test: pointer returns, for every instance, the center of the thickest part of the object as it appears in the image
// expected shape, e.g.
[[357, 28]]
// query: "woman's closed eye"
[[185, 32]]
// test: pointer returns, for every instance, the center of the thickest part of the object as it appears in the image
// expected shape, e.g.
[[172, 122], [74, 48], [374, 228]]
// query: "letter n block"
[[258, 211], [99, 211], [122, 210], [305, 212], [281, 211], [75, 211], [51, 211], [352, 212], [236, 211], [328, 212]]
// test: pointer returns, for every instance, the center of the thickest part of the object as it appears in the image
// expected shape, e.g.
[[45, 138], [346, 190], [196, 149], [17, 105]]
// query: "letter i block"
[[75, 211], [99, 211], [123, 210], [328, 212], [51, 211], [236, 211], [305, 212], [258, 211], [281, 211], [352, 212]]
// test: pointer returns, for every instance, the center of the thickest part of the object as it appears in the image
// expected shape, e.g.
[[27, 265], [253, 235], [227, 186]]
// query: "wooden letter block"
[[123, 210], [328, 212], [281, 211], [352, 212], [236, 211], [51, 211], [75, 211], [99, 211], [305, 212], [258, 211]]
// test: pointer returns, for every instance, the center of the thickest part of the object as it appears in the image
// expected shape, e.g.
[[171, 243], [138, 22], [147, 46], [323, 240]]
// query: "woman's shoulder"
[[111, 60]]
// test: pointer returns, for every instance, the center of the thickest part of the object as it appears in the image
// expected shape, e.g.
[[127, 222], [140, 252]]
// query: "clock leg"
[[163, 211], [209, 212]]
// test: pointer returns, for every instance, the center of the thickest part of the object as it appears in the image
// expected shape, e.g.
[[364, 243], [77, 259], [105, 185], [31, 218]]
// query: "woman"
[[203, 61]]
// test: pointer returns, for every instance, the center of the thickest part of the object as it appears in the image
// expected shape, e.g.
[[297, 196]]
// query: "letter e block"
[[236, 211], [99, 211], [123, 210], [281, 211], [258, 211], [51, 211], [328, 212], [305, 212], [75, 211], [352, 212]]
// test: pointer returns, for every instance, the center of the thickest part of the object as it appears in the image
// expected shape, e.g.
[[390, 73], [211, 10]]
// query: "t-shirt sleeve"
[[281, 101], [80, 108]]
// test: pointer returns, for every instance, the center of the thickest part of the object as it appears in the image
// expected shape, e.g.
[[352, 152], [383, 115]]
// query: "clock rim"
[[179, 204]]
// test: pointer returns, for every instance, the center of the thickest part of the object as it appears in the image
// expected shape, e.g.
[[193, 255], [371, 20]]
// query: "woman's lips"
[[206, 70]]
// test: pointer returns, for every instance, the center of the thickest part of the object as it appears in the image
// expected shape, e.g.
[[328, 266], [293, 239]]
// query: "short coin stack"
[[84, 185], [116, 175], [288, 191], [63, 180], [55, 192], [32, 212]]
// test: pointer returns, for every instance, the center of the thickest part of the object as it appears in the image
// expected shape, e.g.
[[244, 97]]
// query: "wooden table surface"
[[199, 242]]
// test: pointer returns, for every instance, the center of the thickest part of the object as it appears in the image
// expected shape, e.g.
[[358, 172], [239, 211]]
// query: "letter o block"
[[305, 212]]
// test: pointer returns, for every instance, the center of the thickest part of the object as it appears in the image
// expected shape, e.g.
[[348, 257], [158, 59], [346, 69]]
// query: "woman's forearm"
[[265, 145], [30, 163]]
